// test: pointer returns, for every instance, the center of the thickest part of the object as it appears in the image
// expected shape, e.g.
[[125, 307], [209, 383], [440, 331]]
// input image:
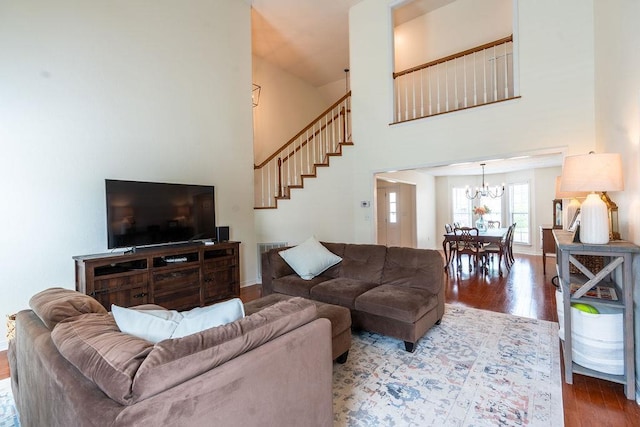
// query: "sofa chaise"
[[394, 291]]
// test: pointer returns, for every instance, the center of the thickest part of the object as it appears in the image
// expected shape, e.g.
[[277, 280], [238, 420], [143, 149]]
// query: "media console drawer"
[[175, 277]]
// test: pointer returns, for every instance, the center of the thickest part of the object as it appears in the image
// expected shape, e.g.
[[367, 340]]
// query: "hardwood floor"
[[524, 291]]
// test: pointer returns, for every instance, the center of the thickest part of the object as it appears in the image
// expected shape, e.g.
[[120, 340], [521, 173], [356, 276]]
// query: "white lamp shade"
[[592, 172], [568, 194]]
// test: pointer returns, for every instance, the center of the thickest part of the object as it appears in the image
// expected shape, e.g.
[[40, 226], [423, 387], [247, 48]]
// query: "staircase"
[[303, 154]]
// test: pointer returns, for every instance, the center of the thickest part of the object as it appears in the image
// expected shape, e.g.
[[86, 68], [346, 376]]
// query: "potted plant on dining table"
[[481, 211]]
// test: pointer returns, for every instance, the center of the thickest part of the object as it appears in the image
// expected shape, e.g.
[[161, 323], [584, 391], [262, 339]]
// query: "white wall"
[[323, 208], [617, 113], [146, 90], [458, 26], [287, 104], [425, 207], [555, 113]]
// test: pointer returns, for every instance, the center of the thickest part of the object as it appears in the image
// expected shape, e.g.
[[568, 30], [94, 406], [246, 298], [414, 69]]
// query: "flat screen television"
[[154, 213]]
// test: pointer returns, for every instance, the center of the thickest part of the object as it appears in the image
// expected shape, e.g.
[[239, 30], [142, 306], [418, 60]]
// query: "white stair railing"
[[478, 76], [301, 155]]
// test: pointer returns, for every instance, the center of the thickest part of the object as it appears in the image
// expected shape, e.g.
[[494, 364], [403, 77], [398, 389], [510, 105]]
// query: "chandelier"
[[485, 190]]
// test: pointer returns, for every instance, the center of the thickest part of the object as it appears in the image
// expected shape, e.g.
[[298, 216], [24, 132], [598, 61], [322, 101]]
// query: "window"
[[463, 208], [519, 207], [393, 207]]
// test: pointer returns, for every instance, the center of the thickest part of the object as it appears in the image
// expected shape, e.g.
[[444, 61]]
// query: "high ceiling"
[[310, 38], [307, 38]]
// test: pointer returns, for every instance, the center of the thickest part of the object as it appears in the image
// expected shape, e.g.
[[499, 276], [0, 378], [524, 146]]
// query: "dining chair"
[[451, 245], [510, 233], [501, 249], [493, 224], [466, 239]]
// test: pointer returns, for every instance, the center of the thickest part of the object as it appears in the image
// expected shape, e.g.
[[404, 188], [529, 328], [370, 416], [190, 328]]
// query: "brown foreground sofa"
[[71, 366], [390, 290]]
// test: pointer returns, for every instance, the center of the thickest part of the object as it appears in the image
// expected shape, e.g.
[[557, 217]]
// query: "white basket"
[[597, 339]]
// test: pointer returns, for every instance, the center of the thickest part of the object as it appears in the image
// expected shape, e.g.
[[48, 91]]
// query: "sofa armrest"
[[273, 267], [279, 383]]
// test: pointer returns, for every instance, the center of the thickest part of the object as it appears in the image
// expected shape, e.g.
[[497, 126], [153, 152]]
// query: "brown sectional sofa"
[[390, 290], [71, 366]]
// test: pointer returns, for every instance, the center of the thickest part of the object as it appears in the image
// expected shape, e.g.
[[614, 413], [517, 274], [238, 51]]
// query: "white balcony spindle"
[[399, 102], [456, 98], [506, 74], [422, 92], [484, 74], [438, 89], [430, 100], [495, 75], [446, 86], [475, 86], [464, 71]]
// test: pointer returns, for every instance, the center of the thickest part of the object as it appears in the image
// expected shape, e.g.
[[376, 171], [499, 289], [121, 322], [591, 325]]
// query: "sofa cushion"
[[341, 291], [150, 325], [363, 262], [101, 352], [415, 268], [201, 318], [56, 304], [309, 258], [295, 286], [158, 325], [175, 361], [397, 302], [338, 249]]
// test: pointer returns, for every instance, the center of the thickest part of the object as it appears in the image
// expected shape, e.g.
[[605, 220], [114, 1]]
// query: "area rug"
[[8, 413], [477, 368]]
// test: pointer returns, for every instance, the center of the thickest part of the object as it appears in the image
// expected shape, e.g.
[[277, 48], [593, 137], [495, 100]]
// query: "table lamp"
[[569, 211], [595, 173]]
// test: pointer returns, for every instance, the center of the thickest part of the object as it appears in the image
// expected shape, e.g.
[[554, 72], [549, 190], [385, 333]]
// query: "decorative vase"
[[480, 224]]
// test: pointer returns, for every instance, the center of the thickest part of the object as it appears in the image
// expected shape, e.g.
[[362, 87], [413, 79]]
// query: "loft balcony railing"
[[478, 76], [303, 154]]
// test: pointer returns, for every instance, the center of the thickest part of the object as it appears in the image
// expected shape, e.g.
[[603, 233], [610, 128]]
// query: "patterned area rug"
[[478, 368], [8, 413]]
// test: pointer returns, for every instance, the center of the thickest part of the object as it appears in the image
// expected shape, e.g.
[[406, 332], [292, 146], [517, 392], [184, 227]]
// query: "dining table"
[[490, 235]]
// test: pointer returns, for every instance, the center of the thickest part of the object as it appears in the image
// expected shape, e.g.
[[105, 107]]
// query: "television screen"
[[152, 213]]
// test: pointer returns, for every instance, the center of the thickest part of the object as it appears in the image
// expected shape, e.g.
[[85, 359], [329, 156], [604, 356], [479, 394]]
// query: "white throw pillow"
[[309, 258], [201, 318], [158, 325], [151, 325]]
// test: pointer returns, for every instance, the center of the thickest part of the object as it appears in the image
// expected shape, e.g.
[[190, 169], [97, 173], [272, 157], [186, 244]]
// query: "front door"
[[396, 214]]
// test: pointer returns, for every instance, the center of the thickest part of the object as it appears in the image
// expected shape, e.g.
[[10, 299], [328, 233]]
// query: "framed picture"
[[575, 221], [557, 213]]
